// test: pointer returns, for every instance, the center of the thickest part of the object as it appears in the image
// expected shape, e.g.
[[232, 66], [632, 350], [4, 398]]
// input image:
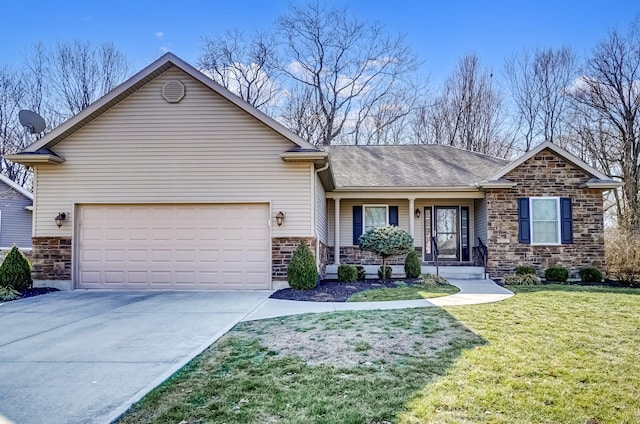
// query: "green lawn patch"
[[411, 292], [550, 354]]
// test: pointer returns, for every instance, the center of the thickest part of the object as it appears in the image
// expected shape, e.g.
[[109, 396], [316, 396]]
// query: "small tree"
[[386, 241], [15, 271], [302, 273]]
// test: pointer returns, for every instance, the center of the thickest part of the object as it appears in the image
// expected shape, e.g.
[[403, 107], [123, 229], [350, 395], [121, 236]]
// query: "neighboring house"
[[16, 205], [172, 182]]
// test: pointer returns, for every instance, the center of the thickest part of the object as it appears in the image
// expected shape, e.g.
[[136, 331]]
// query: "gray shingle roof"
[[409, 166]]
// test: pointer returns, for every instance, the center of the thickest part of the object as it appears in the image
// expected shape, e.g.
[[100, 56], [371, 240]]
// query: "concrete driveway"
[[85, 356]]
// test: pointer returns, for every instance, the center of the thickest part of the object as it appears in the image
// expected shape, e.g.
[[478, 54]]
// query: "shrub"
[[522, 280], [387, 274], [590, 275], [15, 271], [362, 274], [412, 267], [433, 280], [622, 255], [347, 273], [556, 274], [302, 273], [525, 269], [386, 241], [7, 294]]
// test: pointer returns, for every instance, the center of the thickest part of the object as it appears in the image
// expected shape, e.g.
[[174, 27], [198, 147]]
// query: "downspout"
[[315, 219]]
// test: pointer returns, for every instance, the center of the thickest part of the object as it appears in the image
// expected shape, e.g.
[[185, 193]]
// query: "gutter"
[[315, 223]]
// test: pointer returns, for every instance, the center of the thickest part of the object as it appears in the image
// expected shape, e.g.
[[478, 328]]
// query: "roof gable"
[[558, 151], [12, 184], [140, 79]]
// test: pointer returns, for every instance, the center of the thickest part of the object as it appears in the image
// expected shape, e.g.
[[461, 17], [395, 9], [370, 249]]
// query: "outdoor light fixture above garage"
[[279, 218]]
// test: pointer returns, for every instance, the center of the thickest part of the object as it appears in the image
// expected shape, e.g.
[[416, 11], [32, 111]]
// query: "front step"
[[449, 272]]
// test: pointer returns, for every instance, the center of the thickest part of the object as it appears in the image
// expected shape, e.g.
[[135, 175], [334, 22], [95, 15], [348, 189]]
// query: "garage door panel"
[[174, 246]]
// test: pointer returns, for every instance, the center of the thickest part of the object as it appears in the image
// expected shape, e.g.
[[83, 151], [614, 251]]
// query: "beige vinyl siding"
[[480, 221], [201, 150], [321, 211]]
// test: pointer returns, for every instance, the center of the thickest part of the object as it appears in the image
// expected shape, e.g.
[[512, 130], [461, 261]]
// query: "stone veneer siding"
[[282, 249], [51, 258], [545, 174], [354, 255]]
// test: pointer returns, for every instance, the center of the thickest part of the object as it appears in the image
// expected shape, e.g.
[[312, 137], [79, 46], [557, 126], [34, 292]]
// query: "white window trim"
[[364, 207], [558, 221]]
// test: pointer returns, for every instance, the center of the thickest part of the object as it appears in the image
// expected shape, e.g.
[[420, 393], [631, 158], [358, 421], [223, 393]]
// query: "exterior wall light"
[[279, 218], [417, 213], [60, 218]]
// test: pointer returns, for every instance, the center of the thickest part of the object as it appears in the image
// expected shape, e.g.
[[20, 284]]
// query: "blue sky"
[[440, 32]]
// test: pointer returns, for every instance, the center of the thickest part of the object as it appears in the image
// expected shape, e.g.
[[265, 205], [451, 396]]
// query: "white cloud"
[[159, 34]]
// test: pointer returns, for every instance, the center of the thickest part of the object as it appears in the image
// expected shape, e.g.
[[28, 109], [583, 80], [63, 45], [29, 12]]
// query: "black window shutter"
[[566, 221], [357, 223], [524, 221], [393, 215]]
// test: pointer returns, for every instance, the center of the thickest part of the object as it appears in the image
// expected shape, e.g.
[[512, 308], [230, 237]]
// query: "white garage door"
[[177, 247]]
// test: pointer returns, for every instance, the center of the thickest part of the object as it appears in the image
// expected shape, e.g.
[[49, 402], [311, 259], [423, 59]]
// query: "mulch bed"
[[334, 291], [36, 291]]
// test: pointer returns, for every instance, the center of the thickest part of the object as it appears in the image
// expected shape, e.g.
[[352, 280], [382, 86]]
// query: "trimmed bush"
[[433, 280], [590, 275], [362, 274], [525, 269], [412, 268], [15, 271], [347, 273], [387, 274], [302, 273], [522, 280], [556, 274], [386, 241]]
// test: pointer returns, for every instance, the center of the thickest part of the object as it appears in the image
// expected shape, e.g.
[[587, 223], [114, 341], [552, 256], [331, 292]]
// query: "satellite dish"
[[31, 121]]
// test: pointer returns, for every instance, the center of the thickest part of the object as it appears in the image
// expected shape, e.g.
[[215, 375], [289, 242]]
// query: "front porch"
[[451, 223]]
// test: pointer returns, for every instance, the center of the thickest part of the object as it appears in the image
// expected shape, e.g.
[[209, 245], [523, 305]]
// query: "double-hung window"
[[375, 216], [366, 217], [545, 220]]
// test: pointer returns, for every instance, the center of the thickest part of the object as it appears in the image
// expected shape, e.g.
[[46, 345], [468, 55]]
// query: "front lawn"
[[407, 292], [552, 354]]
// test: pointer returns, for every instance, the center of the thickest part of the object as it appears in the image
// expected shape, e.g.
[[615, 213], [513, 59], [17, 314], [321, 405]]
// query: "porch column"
[[336, 232], [412, 223]]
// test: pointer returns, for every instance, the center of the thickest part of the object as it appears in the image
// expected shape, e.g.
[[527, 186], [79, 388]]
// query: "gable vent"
[[173, 91]]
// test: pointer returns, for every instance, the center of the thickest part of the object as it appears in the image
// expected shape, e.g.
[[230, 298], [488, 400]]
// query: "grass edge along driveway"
[[549, 354]]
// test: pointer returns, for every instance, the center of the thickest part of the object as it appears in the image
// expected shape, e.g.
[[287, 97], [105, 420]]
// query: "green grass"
[[550, 354], [403, 293]]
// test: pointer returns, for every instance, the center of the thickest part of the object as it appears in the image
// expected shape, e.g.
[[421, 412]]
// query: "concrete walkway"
[[471, 292]]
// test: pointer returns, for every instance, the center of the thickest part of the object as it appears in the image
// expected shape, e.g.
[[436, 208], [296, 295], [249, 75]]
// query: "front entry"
[[447, 228]]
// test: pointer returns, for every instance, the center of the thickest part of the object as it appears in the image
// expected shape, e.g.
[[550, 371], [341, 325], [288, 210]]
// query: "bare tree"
[[82, 73], [608, 96], [468, 112], [354, 70], [244, 66], [11, 140], [538, 84]]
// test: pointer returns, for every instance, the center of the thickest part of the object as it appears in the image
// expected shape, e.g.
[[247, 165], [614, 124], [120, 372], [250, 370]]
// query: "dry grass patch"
[[346, 367], [350, 340]]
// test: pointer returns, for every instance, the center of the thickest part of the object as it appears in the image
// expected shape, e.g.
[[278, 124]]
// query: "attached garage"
[[173, 247]]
